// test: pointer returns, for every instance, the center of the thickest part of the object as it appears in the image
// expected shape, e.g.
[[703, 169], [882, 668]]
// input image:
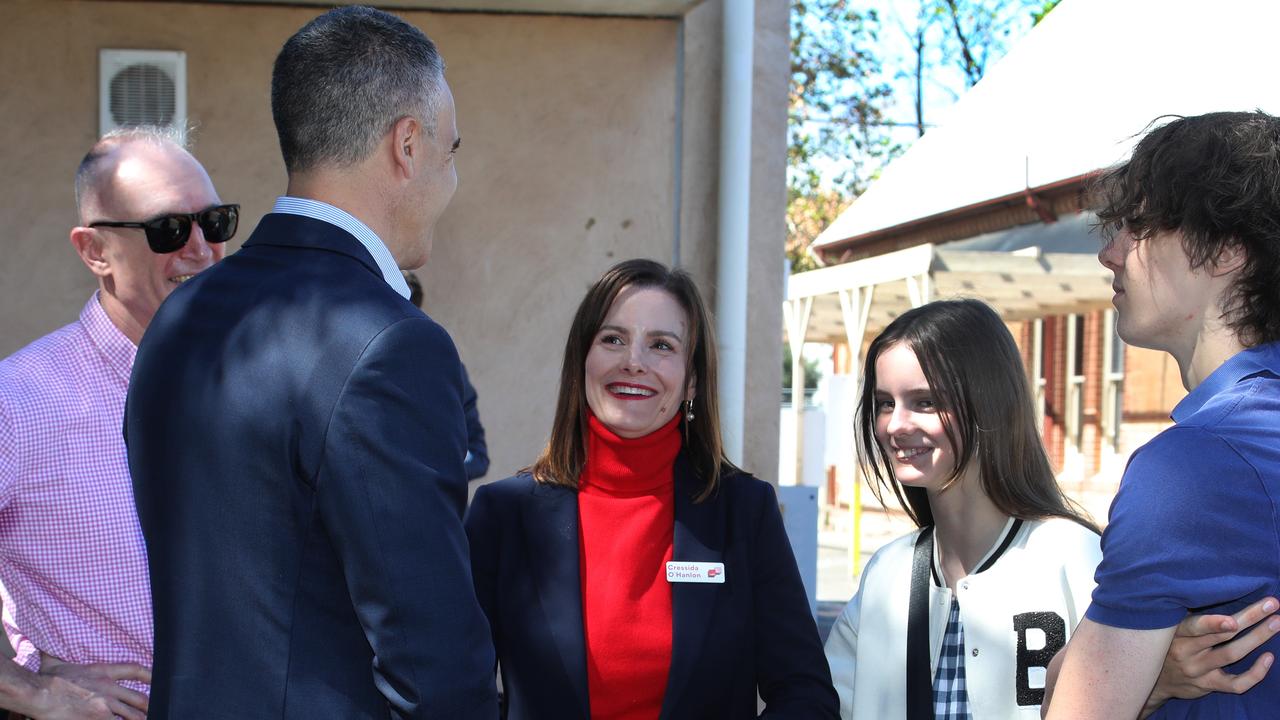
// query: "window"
[[1075, 380], [1038, 369], [1112, 380]]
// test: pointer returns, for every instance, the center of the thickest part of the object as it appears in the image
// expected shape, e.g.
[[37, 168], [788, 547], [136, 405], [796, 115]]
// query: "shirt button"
[[975, 652], [964, 584]]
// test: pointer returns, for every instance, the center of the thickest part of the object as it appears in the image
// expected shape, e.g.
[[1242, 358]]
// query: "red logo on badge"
[[713, 572]]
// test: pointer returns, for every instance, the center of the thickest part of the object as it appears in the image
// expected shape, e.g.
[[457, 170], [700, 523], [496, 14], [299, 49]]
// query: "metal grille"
[[142, 94], [141, 87]]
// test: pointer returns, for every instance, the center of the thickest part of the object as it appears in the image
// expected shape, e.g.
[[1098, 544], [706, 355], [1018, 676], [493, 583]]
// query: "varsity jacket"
[[1018, 610]]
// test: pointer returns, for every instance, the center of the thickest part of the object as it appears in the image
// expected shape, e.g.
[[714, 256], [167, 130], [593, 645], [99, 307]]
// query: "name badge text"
[[695, 572]]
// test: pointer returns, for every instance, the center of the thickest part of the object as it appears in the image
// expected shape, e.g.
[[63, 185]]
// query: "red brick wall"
[[1152, 384]]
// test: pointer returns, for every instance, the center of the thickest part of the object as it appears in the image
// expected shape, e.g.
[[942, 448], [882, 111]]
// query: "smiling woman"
[[908, 425], [633, 572], [637, 368], [967, 611]]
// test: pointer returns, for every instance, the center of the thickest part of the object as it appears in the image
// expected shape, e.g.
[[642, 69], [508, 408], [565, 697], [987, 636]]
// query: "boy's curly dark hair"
[[1216, 179]]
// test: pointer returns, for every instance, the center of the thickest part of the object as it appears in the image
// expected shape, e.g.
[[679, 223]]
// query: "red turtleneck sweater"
[[626, 512]]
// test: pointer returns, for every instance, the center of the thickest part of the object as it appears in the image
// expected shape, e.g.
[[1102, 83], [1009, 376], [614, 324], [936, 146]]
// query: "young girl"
[[960, 618]]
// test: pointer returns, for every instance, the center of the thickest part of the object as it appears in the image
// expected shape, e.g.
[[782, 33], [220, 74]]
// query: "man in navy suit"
[[295, 425], [477, 462]]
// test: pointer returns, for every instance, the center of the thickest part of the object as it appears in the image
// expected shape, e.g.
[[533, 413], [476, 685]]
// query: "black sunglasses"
[[168, 233]]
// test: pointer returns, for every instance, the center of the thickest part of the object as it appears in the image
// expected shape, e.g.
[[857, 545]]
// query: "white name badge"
[[695, 572]]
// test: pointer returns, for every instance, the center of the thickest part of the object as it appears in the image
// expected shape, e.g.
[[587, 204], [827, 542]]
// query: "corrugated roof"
[[1072, 97], [1024, 272], [1071, 234]]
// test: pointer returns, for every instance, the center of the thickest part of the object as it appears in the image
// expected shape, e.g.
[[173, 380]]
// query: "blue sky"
[[945, 82]]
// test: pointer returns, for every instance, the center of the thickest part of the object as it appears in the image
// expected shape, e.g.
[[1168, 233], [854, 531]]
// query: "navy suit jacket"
[[477, 463], [296, 440], [753, 631]]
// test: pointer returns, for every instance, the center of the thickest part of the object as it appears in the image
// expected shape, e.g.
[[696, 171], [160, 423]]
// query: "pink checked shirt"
[[72, 561]]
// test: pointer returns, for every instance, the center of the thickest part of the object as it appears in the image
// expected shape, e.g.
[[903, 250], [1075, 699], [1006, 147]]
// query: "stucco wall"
[[700, 167], [768, 234], [568, 165]]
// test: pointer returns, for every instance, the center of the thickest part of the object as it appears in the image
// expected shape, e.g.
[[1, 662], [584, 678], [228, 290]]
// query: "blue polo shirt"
[[1195, 526]]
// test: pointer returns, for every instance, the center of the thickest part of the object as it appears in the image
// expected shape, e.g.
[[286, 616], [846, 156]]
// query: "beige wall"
[[50, 106], [568, 165]]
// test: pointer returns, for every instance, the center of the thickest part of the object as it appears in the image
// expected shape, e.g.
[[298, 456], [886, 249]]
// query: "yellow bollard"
[[856, 545]]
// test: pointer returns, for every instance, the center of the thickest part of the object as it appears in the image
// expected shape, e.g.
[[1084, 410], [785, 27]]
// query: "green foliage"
[[838, 132], [811, 372], [977, 32], [1038, 13], [835, 99], [808, 214], [834, 117]]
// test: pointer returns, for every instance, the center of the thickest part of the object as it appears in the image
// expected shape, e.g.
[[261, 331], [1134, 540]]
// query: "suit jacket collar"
[[699, 537], [297, 231], [550, 524]]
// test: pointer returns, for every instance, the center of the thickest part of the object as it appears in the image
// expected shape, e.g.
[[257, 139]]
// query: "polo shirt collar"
[[1241, 366]]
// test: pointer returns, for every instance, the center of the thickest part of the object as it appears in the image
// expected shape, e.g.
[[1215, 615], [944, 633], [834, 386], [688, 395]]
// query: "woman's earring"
[[688, 411]]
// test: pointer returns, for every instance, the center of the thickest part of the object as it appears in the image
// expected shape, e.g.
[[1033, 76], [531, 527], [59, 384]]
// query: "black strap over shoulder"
[[919, 677]]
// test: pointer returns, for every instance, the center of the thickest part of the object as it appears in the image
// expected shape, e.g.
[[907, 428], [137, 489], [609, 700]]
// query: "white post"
[[797, 313], [734, 219], [855, 309], [918, 289]]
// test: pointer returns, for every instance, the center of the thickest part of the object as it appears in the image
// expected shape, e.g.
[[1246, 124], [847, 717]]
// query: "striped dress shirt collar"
[[344, 220]]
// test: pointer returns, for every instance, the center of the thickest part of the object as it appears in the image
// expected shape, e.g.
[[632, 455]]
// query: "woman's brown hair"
[[561, 461]]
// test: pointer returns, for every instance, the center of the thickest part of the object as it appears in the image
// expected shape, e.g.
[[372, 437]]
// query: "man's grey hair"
[[90, 171], [343, 80]]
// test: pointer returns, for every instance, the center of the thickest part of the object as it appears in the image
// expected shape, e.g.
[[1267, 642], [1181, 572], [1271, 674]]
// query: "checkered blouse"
[[950, 699]]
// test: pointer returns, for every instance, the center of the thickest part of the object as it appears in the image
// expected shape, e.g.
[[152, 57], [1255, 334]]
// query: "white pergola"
[[847, 303], [850, 302]]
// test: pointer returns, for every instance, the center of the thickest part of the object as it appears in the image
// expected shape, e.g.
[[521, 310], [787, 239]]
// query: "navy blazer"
[[753, 631], [296, 441], [477, 462]]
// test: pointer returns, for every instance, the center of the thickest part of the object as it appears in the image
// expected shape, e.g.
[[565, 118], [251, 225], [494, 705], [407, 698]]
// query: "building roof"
[[633, 8], [1025, 272], [1072, 97]]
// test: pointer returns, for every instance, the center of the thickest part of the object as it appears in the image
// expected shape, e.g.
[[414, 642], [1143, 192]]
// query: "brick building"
[[993, 203]]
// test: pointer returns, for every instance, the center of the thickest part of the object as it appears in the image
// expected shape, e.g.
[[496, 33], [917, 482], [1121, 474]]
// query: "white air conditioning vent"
[[141, 87]]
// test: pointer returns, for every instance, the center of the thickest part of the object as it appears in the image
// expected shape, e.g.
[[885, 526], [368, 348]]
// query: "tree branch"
[[972, 71]]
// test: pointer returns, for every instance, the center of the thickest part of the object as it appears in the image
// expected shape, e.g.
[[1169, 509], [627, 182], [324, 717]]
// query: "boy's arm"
[[1107, 672]]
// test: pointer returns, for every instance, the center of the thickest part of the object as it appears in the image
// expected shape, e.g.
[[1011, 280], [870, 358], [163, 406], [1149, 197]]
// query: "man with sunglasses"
[[77, 606], [295, 424]]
